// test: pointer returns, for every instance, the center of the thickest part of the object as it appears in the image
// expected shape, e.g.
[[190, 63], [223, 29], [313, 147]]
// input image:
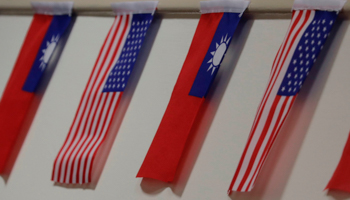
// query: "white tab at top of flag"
[[134, 7], [236, 6], [53, 8], [328, 5]]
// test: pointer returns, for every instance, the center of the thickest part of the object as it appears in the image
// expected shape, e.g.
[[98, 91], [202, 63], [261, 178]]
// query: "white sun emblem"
[[50, 46], [218, 54]]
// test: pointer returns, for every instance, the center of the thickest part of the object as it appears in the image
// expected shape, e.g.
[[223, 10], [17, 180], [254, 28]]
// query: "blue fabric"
[[118, 77], [57, 27], [215, 54], [306, 52]]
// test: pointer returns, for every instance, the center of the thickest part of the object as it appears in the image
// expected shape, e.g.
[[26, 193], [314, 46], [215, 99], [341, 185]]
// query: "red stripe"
[[260, 141], [270, 142], [104, 137]]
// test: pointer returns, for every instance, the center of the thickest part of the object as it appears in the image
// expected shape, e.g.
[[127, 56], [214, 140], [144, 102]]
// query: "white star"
[[306, 48], [300, 48], [319, 42], [300, 55], [300, 82], [313, 28], [313, 34], [307, 55], [290, 89], [306, 41], [307, 69], [331, 22], [313, 41], [301, 69], [301, 76], [313, 49], [296, 82], [283, 88], [307, 63], [294, 89], [314, 22], [306, 34], [289, 75], [318, 35], [318, 28], [295, 69], [294, 61], [324, 29], [301, 62], [296, 76], [323, 21]]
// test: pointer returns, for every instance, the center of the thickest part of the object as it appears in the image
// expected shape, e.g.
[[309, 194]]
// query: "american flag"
[[100, 99], [307, 33]]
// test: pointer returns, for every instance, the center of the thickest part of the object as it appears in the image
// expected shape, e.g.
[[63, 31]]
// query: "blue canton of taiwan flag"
[[119, 75], [216, 52], [57, 27]]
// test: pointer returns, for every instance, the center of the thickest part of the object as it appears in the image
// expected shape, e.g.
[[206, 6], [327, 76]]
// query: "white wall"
[[300, 163]]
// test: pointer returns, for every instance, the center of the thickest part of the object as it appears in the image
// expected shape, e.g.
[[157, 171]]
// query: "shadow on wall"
[[277, 169], [205, 117], [39, 93], [106, 146]]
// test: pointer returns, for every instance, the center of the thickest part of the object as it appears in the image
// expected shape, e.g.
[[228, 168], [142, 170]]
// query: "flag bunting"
[[49, 22], [303, 42], [103, 91], [213, 35]]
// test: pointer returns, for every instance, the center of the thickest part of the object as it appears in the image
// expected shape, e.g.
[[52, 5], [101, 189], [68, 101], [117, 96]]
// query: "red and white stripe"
[[74, 161], [272, 110]]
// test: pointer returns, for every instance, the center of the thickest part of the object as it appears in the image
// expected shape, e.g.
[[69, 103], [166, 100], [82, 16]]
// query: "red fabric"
[[15, 102], [341, 177], [166, 149]]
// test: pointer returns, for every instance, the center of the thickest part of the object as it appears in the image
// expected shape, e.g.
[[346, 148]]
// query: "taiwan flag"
[[49, 23], [213, 35]]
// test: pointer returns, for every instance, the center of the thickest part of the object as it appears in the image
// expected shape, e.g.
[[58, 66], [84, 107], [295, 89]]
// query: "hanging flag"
[[214, 32], [341, 176], [49, 23], [103, 91], [310, 26]]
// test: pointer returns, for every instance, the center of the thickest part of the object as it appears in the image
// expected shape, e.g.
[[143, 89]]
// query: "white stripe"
[[71, 134], [103, 132], [88, 134], [284, 115], [266, 139]]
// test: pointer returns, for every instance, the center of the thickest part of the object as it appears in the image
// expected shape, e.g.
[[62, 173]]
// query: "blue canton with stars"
[[306, 52], [216, 52], [119, 75]]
